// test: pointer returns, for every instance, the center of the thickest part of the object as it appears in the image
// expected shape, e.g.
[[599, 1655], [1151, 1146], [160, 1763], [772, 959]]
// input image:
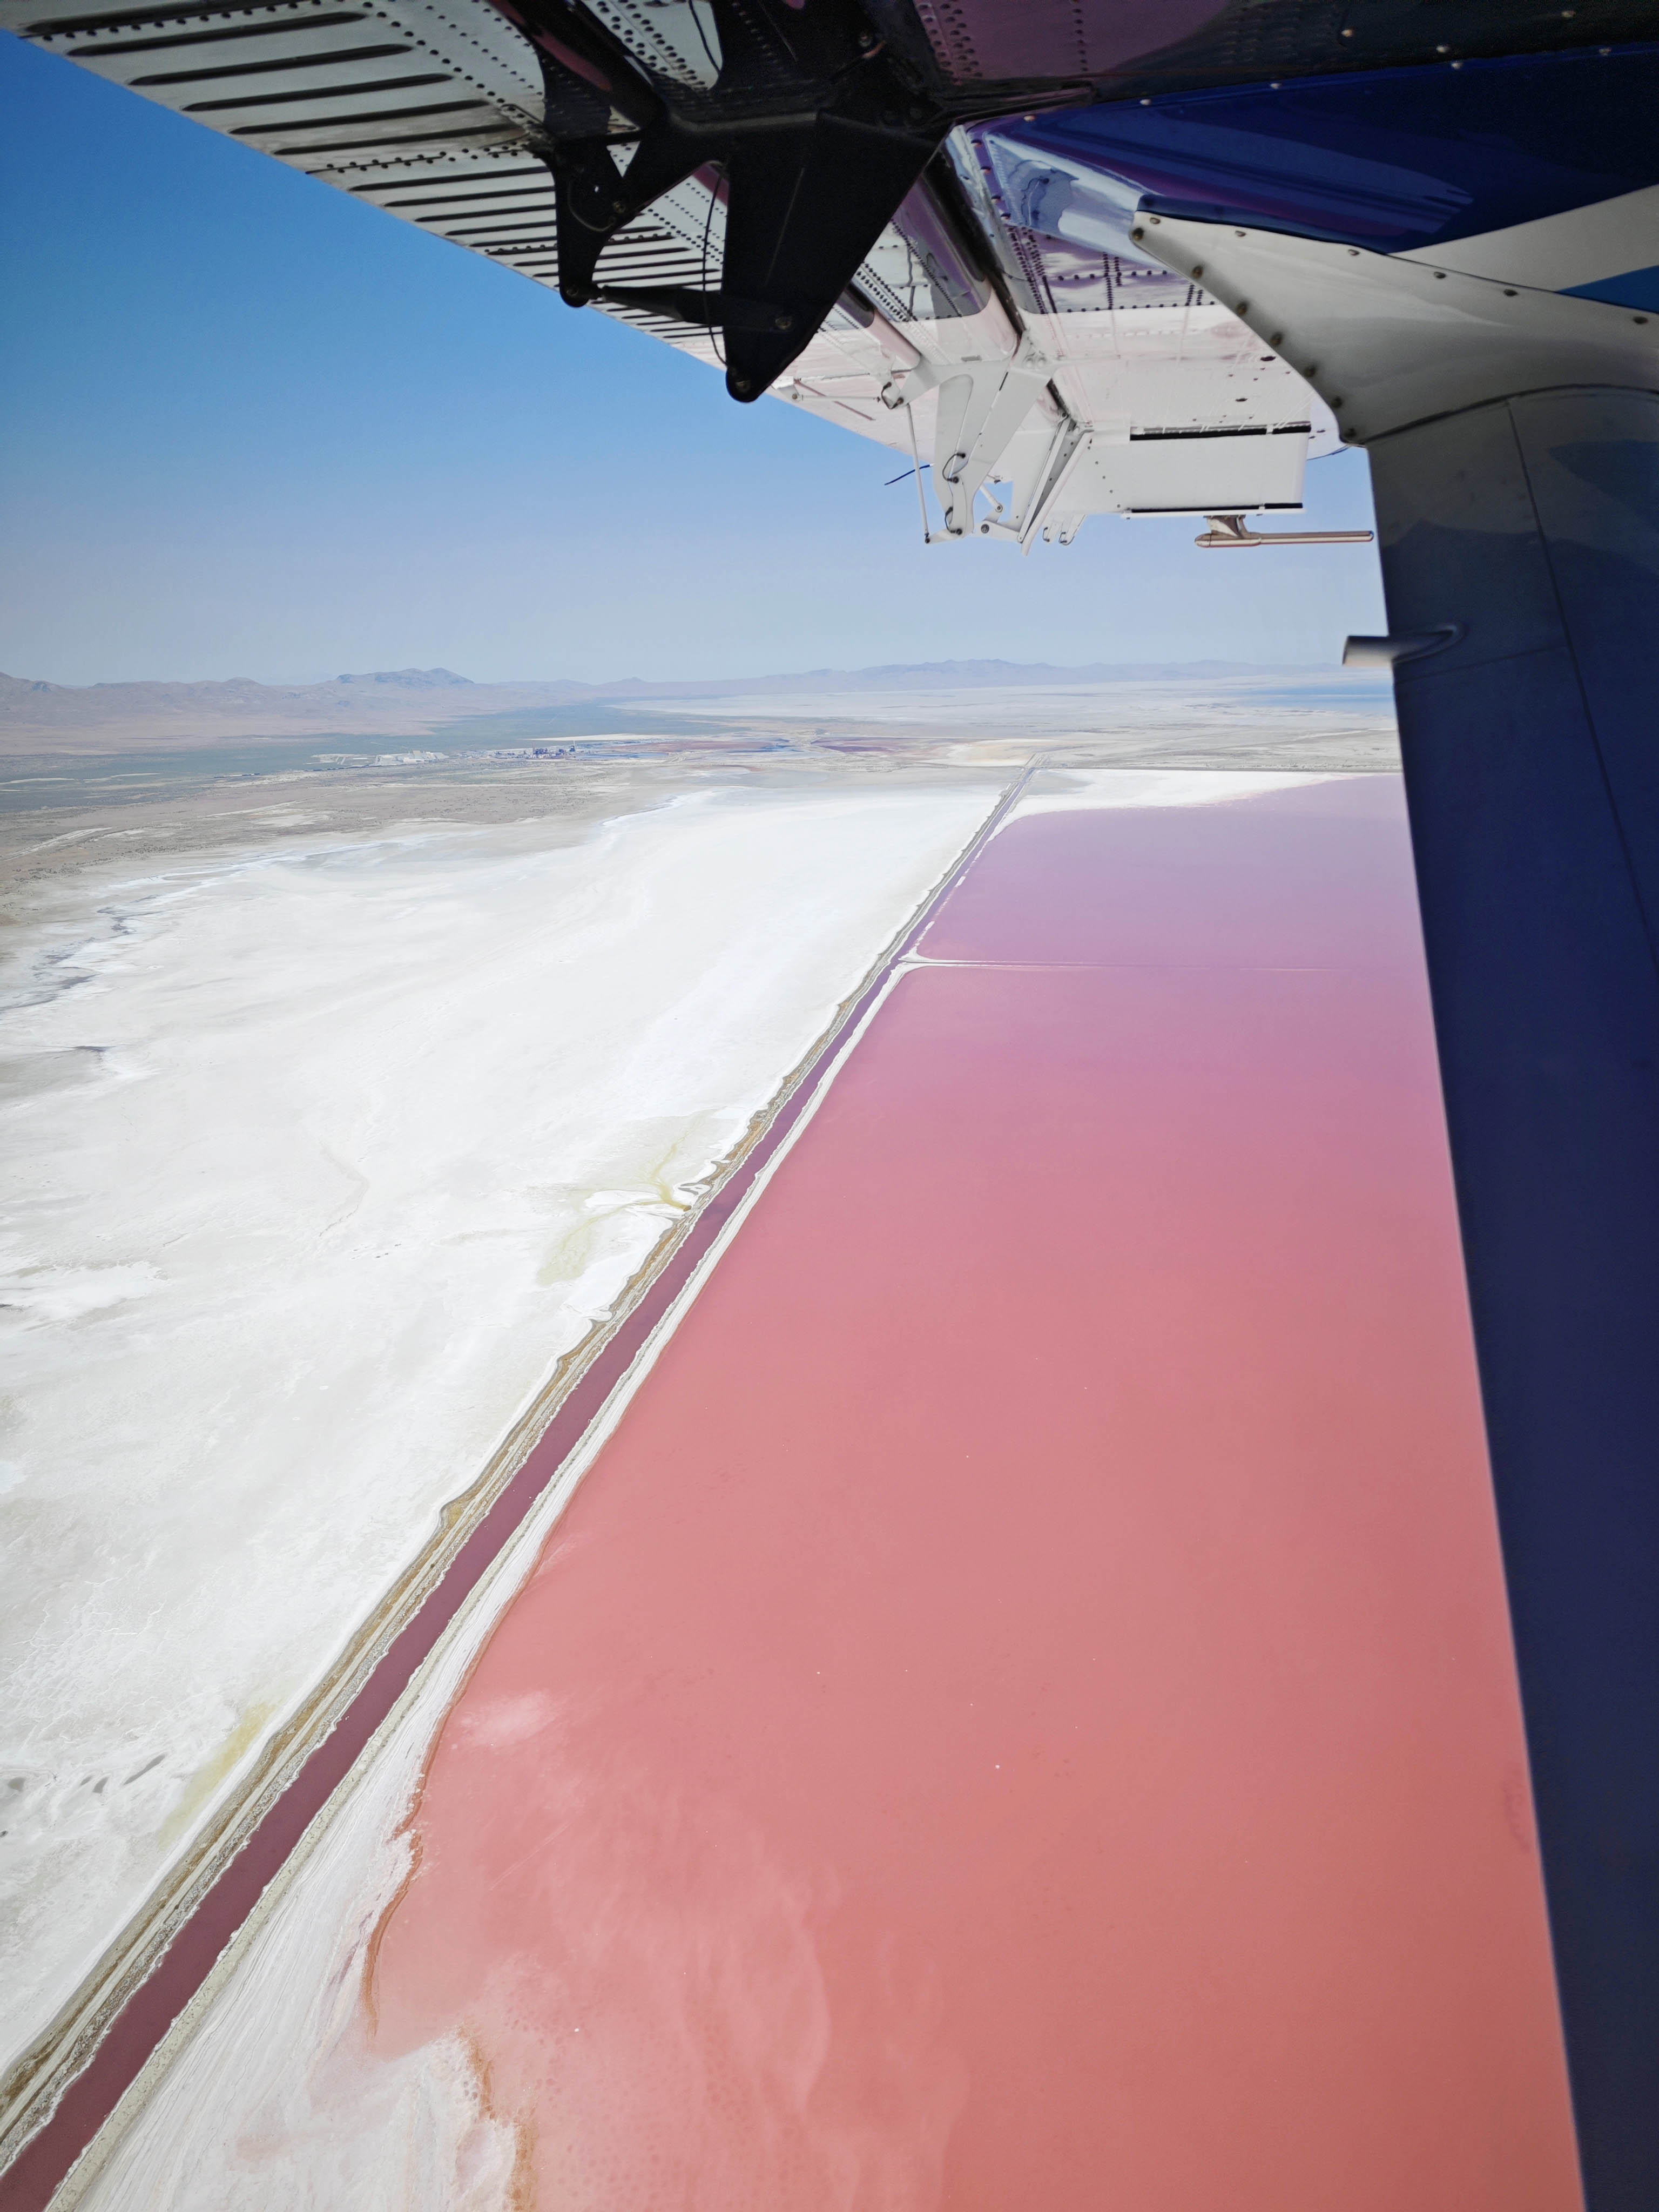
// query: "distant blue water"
[[1343, 693]]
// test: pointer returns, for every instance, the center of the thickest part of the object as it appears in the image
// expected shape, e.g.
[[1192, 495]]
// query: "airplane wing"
[[856, 208], [987, 315]]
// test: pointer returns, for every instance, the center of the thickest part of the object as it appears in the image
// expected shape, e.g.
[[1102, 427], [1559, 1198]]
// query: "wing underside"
[[922, 221], [1001, 331]]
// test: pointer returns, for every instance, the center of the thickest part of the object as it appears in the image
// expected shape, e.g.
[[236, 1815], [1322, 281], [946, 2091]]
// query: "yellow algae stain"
[[204, 1782], [577, 1249], [569, 1257]]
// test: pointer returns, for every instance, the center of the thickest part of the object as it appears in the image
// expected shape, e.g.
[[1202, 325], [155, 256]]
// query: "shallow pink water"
[[1020, 1715]]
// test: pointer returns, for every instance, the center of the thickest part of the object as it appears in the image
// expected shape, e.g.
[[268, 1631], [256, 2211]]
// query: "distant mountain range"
[[99, 718]]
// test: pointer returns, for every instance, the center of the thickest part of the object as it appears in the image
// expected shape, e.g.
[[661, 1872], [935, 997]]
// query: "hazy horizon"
[[437, 675]]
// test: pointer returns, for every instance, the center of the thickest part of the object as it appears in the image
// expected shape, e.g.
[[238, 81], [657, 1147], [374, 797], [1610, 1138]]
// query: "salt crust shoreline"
[[487, 1079], [1064, 792]]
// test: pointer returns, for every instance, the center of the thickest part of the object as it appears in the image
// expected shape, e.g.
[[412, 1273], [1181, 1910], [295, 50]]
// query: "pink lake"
[[1020, 1718]]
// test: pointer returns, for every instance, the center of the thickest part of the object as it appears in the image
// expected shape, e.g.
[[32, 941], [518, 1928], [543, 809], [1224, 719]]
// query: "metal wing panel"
[[981, 40], [1118, 49]]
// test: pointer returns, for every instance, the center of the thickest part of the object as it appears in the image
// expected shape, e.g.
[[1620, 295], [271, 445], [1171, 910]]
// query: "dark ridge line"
[[135, 19], [104, 54], [283, 63], [333, 92], [460, 177], [386, 146], [518, 234], [450, 204]]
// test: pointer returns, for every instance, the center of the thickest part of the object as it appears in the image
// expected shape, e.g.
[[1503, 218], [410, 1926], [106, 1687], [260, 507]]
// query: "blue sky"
[[250, 427]]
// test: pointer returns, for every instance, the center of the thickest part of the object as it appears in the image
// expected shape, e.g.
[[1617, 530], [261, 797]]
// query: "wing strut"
[[817, 129]]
